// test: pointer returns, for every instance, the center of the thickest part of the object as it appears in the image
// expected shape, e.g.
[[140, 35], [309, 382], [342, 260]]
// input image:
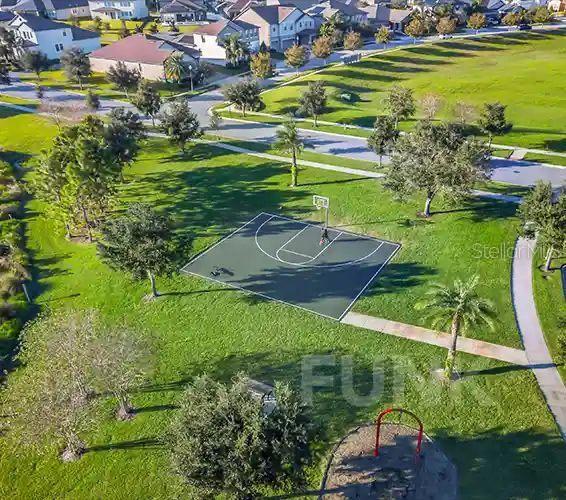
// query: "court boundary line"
[[327, 266], [248, 291], [351, 233], [206, 250], [351, 304]]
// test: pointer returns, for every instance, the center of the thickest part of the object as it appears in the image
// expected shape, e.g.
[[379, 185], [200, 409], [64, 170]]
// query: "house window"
[[64, 33], [58, 47]]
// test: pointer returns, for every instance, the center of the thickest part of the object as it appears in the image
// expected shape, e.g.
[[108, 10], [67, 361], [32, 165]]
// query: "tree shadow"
[[143, 443]]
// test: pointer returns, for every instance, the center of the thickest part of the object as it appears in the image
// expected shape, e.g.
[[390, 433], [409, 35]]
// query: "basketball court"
[[311, 266]]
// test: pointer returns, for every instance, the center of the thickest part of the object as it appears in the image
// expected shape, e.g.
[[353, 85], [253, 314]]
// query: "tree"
[[120, 362], [175, 68], [215, 121], [312, 101], [244, 94], [289, 141], [76, 65], [153, 28], [92, 100], [542, 215], [123, 134], [237, 50], [542, 15], [9, 46], [436, 159], [261, 66], [50, 399], [415, 29], [353, 41], [223, 441], [446, 25], [97, 24], [492, 120], [4, 73], [124, 31], [383, 136], [147, 100], [463, 112], [384, 35], [459, 307], [296, 56], [123, 77], [400, 103], [35, 61], [511, 19], [179, 123], [431, 104], [322, 48], [477, 21], [139, 242]]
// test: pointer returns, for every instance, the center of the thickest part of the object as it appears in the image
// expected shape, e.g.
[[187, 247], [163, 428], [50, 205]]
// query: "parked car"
[[525, 27]]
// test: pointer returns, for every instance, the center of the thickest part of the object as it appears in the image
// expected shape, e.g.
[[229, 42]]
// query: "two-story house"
[[280, 26], [118, 9], [209, 39], [52, 37], [53, 9]]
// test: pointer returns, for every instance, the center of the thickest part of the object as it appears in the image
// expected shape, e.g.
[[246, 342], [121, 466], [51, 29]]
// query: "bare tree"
[[63, 113], [431, 104], [121, 362], [463, 112]]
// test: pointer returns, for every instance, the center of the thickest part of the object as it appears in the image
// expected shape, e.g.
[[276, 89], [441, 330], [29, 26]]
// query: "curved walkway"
[[547, 375]]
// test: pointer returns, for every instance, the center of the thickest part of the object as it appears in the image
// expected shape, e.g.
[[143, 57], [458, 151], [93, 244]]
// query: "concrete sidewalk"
[[548, 378], [432, 337]]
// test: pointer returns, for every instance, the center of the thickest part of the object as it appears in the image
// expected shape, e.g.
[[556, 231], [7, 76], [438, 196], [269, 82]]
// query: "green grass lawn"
[[523, 71], [550, 301], [97, 82], [493, 423]]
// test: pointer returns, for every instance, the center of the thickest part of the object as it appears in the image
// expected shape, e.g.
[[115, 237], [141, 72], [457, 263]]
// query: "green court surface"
[[285, 260]]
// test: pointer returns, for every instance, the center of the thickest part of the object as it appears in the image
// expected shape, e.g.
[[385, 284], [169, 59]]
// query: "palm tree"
[[174, 67], [459, 307], [289, 141], [236, 49]]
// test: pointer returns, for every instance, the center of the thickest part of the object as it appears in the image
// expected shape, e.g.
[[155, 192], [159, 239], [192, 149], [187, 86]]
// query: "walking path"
[[432, 337], [547, 375]]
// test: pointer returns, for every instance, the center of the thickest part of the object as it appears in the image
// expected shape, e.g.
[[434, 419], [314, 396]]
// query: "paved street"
[[522, 173]]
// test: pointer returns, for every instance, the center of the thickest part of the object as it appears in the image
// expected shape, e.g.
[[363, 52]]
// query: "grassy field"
[[550, 301], [474, 71], [493, 423], [98, 83]]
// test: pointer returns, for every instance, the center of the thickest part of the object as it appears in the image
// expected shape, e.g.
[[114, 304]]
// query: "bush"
[[222, 439], [562, 347]]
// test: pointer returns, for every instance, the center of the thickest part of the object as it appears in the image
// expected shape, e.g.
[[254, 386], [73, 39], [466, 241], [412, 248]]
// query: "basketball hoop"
[[321, 202]]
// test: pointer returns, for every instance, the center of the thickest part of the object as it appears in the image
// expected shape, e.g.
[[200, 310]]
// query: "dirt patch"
[[354, 472]]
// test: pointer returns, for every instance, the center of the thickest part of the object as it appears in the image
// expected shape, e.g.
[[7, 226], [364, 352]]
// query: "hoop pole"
[[326, 223]]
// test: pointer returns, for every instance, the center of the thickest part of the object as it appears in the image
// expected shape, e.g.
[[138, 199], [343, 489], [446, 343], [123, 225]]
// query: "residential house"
[[557, 5], [6, 5], [381, 15], [280, 26], [52, 37], [233, 8], [53, 9], [181, 11], [349, 13], [118, 9], [209, 39], [146, 53]]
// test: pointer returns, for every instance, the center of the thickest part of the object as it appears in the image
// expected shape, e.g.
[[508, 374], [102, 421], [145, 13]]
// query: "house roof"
[[329, 7], [6, 16], [4, 4], [180, 6], [214, 29], [272, 14], [142, 49], [47, 5], [37, 23], [82, 34]]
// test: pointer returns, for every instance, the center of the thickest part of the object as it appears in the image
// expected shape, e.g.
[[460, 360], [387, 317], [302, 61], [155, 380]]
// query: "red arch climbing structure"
[[378, 423]]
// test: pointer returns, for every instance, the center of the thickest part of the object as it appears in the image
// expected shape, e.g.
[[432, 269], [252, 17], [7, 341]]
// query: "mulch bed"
[[354, 472]]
